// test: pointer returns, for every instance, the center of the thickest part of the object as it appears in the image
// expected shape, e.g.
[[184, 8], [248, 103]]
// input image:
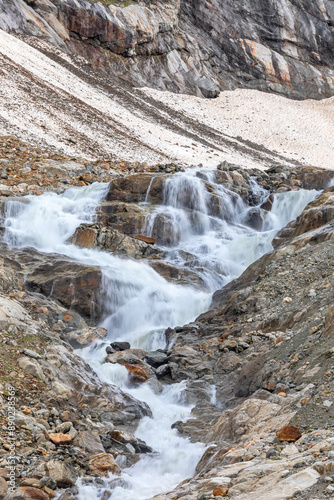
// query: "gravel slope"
[[49, 99]]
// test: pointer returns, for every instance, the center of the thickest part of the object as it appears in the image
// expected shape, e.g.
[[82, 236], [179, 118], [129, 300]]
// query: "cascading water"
[[206, 232], [206, 225]]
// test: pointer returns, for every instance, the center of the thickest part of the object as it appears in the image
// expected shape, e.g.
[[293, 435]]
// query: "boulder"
[[32, 367], [162, 371], [246, 418], [75, 285], [178, 274], [209, 89], [138, 373], [127, 218], [110, 239], [104, 463], [120, 346], [89, 442], [135, 189], [289, 433], [255, 218], [220, 492], [165, 231], [156, 358], [315, 178], [146, 239], [67, 495], [329, 321], [317, 214], [83, 338], [64, 474], [59, 438], [124, 358], [27, 493]]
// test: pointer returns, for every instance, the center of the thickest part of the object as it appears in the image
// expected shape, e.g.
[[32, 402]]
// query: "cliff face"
[[285, 46], [195, 47]]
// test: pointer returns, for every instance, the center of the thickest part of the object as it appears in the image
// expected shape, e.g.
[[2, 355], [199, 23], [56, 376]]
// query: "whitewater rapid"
[[139, 304]]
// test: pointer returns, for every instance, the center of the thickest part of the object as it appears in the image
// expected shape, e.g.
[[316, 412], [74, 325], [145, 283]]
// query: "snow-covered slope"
[[47, 98]]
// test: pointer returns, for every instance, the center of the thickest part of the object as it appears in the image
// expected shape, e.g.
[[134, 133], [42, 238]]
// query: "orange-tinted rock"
[[59, 438], [30, 481], [85, 238], [146, 239], [282, 394], [289, 433], [28, 493], [104, 463], [138, 373], [220, 492], [50, 493]]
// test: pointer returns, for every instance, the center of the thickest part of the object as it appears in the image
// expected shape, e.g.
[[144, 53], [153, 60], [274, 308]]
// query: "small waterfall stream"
[[205, 231]]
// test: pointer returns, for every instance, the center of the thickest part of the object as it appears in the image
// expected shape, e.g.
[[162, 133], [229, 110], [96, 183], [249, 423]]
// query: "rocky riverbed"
[[256, 368]]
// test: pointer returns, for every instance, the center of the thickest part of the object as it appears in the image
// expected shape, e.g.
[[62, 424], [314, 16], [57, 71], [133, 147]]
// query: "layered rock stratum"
[[197, 47]]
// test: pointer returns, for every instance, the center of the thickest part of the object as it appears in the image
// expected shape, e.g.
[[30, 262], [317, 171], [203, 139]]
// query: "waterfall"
[[202, 227]]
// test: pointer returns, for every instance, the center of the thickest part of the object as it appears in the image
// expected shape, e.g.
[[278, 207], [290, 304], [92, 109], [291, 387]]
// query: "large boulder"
[[89, 442], [104, 463], [27, 493], [85, 337], [75, 285], [63, 473], [137, 188], [128, 218], [111, 240]]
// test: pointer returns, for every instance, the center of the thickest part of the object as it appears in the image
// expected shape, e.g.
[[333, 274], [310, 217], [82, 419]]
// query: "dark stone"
[[156, 358], [255, 218], [162, 371], [48, 482], [120, 346]]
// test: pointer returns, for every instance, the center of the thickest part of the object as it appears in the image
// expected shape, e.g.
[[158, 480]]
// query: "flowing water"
[[206, 232]]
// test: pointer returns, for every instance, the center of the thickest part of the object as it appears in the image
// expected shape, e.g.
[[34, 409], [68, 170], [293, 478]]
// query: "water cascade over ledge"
[[203, 227]]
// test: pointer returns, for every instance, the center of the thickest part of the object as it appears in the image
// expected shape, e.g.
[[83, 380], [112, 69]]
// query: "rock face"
[[196, 47], [74, 285]]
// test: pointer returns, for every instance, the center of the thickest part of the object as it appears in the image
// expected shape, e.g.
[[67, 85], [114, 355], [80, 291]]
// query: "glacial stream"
[[139, 304]]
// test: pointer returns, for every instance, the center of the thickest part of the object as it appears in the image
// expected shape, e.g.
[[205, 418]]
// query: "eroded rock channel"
[[199, 305]]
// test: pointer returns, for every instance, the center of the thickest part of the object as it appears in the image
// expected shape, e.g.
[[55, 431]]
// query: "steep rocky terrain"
[[265, 344], [195, 47]]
